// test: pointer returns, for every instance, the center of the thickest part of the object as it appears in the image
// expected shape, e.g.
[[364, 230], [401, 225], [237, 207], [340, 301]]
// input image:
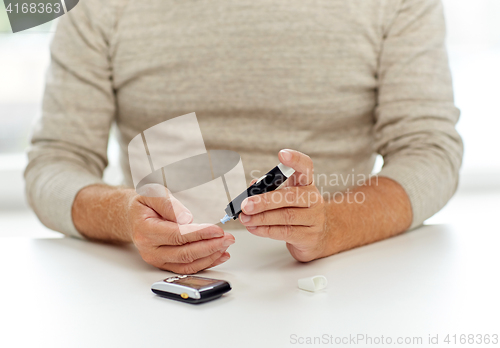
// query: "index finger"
[[298, 197], [162, 232]]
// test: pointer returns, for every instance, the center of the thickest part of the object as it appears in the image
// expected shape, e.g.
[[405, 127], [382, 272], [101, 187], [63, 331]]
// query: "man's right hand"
[[155, 232], [113, 214]]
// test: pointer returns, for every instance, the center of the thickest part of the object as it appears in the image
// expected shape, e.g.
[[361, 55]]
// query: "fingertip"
[[285, 155], [243, 204], [229, 236], [226, 256], [218, 231], [251, 229], [244, 218], [247, 205], [223, 258]]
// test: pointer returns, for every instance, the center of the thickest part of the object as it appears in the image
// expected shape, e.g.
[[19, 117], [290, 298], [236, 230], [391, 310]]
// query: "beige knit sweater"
[[340, 80]]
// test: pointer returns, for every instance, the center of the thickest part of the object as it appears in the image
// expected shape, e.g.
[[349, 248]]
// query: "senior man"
[[324, 85]]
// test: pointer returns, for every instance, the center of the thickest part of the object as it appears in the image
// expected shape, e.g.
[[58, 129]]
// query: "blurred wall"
[[474, 51]]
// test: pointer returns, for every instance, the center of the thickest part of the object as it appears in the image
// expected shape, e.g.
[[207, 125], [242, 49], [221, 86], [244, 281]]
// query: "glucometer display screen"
[[196, 283]]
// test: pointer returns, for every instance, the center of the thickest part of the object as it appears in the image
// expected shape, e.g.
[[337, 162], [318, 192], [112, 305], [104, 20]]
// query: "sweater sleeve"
[[415, 117], [69, 142]]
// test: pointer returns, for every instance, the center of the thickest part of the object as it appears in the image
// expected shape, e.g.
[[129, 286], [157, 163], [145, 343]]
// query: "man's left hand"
[[294, 213]]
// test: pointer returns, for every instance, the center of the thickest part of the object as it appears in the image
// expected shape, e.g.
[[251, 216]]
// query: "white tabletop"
[[435, 280]]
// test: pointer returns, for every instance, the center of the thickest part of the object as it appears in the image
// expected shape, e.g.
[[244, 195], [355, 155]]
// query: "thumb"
[[303, 165], [159, 198]]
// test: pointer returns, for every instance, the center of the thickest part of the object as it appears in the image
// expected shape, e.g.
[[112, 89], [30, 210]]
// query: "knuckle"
[[315, 198], [171, 267], [187, 269], [288, 216], [290, 195], [278, 197], [177, 238], [287, 231], [266, 230], [186, 256], [264, 202], [259, 219], [297, 191]]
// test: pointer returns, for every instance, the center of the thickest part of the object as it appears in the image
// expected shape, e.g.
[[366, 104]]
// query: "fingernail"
[[245, 218], [217, 234], [184, 218], [224, 258], [247, 206], [228, 242], [287, 156], [251, 228]]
